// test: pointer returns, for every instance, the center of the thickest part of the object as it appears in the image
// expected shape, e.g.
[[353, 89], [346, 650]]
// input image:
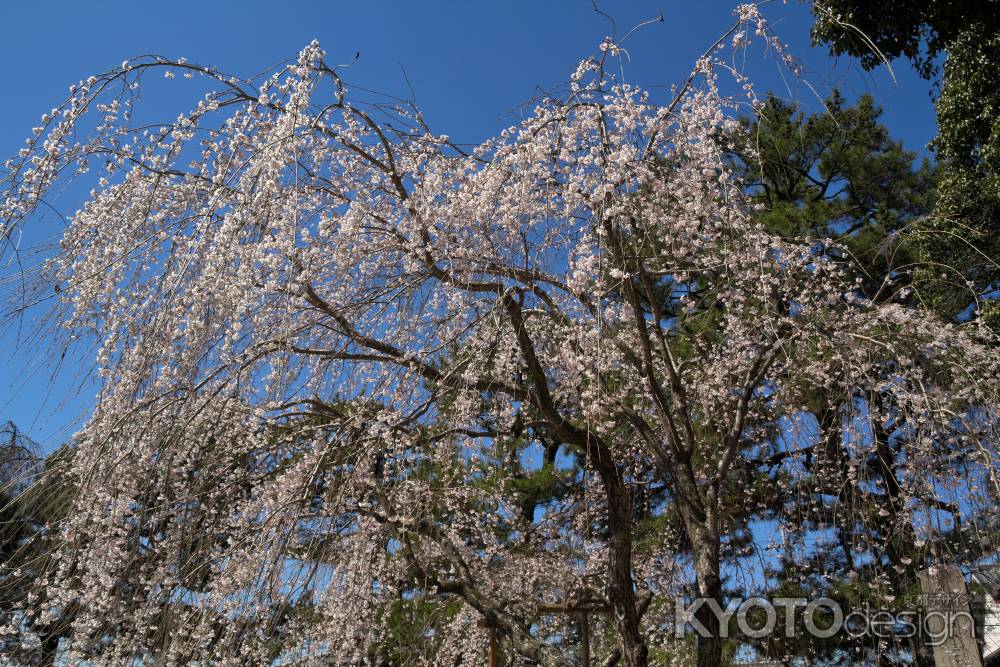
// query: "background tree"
[[960, 243], [35, 498], [838, 174]]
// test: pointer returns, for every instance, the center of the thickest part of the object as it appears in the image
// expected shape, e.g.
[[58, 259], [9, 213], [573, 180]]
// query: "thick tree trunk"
[[701, 527], [620, 586]]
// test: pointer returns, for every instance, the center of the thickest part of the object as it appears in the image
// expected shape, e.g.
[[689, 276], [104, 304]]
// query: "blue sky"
[[469, 65]]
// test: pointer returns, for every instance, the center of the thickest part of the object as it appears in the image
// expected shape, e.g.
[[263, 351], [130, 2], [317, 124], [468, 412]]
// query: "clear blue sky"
[[469, 64]]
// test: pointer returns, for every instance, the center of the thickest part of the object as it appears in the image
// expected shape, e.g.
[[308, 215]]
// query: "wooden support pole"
[[491, 656], [570, 609], [948, 618], [582, 610]]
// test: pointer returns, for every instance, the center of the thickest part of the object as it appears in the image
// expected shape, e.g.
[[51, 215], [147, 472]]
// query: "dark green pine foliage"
[[34, 497], [838, 174], [962, 239]]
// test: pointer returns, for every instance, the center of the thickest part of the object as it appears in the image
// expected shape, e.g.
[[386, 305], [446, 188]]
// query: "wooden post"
[[585, 639], [582, 610], [947, 617], [491, 659]]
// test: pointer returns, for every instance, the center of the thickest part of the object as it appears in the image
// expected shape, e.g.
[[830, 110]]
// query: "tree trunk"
[[701, 527], [620, 586], [709, 587]]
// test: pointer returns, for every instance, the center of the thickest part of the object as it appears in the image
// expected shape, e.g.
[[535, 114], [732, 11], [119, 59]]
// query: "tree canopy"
[[364, 387]]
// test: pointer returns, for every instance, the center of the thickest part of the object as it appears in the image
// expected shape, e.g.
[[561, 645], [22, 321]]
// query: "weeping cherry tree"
[[321, 327]]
